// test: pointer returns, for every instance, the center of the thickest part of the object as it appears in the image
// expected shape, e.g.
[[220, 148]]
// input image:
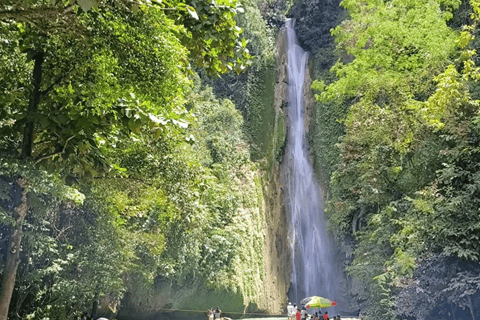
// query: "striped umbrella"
[[317, 302]]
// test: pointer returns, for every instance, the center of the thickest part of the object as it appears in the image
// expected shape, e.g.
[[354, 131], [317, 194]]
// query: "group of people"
[[316, 316], [213, 314], [295, 313]]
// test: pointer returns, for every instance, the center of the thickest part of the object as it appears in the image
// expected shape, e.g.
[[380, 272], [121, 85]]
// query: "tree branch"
[[25, 19], [29, 15], [28, 134], [46, 141], [21, 12], [56, 153], [46, 91]]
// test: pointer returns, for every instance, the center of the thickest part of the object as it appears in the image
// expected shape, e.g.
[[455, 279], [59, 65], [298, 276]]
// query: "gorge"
[[158, 158]]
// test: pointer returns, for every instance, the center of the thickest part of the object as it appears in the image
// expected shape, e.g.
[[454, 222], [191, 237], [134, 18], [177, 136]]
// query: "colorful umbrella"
[[317, 302]]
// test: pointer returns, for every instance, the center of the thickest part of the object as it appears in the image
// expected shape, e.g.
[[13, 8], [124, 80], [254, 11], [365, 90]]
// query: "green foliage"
[[260, 114], [95, 93], [437, 280], [64, 253], [252, 92], [210, 33], [259, 37], [66, 273], [404, 183], [207, 29], [126, 187], [38, 181], [394, 49], [184, 205]]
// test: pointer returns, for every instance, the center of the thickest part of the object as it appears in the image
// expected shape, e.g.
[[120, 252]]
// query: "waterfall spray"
[[313, 266]]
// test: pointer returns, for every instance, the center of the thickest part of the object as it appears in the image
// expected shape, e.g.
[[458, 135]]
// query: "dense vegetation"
[[119, 169], [401, 110], [125, 166]]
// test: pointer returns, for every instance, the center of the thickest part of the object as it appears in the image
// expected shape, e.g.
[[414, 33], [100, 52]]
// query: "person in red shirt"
[[325, 316], [298, 315]]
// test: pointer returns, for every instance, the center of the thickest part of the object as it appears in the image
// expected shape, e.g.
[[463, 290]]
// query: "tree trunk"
[[453, 311], [93, 314], [11, 263], [27, 145], [470, 305]]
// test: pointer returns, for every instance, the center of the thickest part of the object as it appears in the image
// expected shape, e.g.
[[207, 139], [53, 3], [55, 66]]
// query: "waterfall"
[[314, 271]]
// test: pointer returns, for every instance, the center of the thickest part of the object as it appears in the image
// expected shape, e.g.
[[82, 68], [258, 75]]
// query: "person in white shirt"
[[210, 314], [291, 311], [217, 313]]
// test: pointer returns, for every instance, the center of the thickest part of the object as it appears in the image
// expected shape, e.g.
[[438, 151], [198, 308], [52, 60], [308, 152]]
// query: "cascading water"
[[314, 271]]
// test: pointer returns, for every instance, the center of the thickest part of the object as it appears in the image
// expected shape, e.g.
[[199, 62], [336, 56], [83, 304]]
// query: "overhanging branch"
[[56, 153], [44, 15]]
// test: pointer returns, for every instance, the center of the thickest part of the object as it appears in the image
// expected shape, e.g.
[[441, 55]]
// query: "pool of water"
[[285, 318]]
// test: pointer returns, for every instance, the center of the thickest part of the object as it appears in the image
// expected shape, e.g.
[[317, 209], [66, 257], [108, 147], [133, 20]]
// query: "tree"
[[404, 186], [207, 29], [86, 92], [439, 283], [14, 195]]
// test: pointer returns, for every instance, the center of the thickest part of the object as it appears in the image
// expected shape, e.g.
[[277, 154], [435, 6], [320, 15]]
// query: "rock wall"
[[310, 110], [277, 266]]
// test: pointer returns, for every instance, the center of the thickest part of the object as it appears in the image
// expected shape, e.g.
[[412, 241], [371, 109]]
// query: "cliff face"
[[261, 272], [277, 266]]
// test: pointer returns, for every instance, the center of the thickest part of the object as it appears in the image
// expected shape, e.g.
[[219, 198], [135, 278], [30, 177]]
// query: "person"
[[338, 317], [290, 311], [304, 313], [209, 313], [325, 316], [298, 316], [217, 313], [315, 317]]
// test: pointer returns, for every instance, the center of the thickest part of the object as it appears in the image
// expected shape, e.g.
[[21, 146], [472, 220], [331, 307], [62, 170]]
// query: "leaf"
[[181, 124], [87, 4], [83, 147], [190, 139], [192, 12], [157, 120], [44, 122], [95, 120], [134, 125], [158, 132]]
